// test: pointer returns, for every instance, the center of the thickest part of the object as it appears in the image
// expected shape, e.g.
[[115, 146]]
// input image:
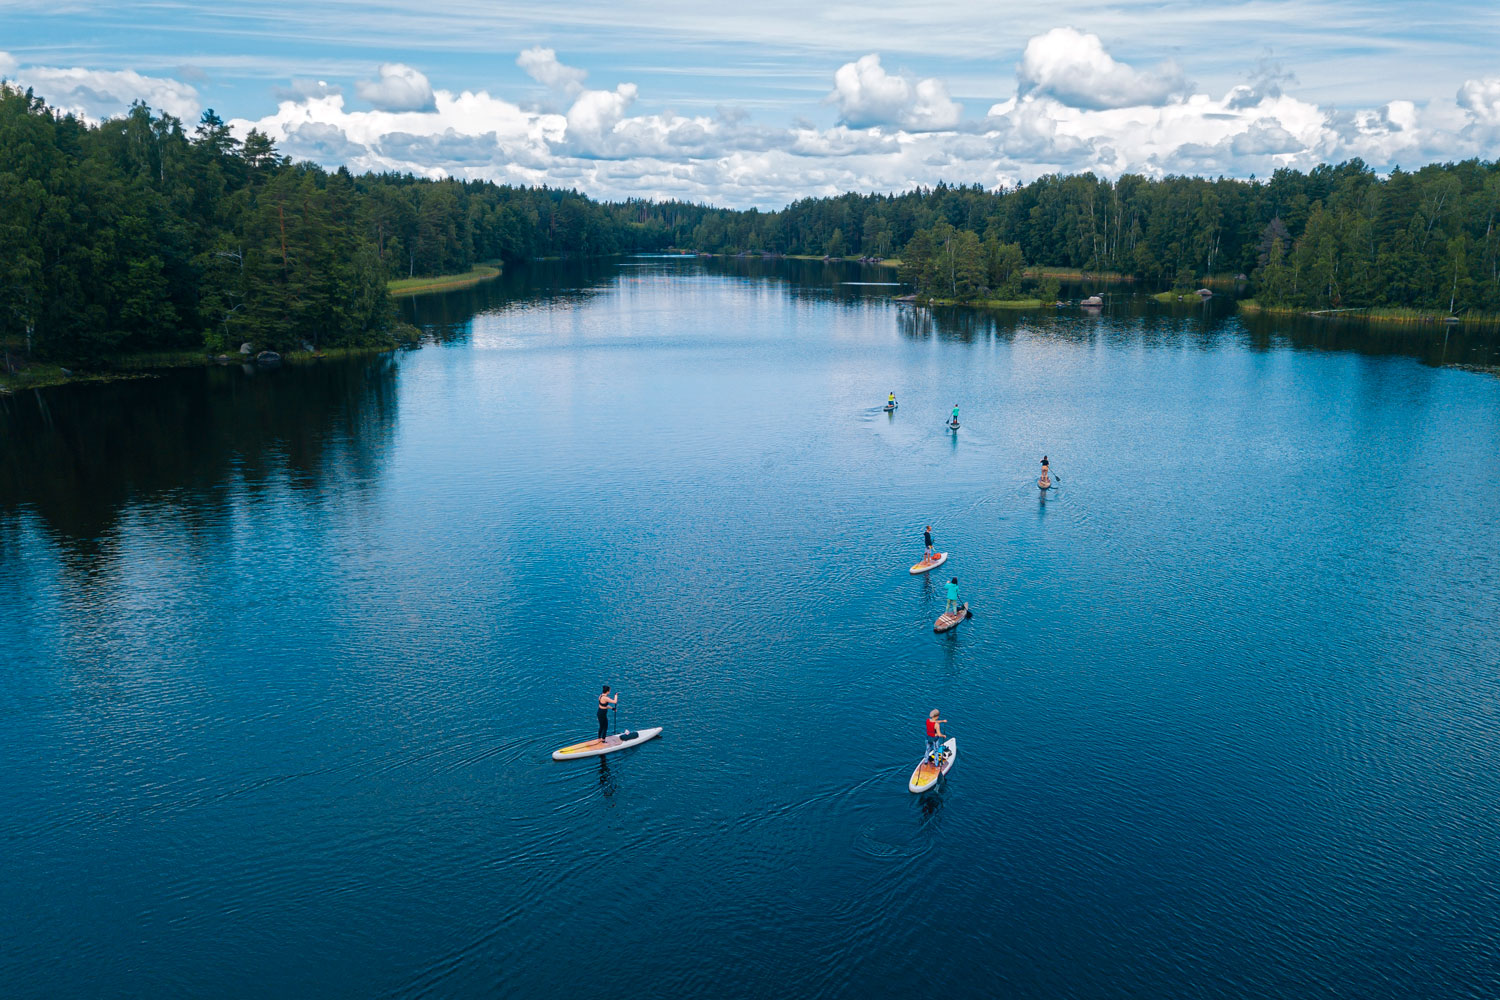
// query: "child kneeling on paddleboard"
[[952, 588], [935, 736]]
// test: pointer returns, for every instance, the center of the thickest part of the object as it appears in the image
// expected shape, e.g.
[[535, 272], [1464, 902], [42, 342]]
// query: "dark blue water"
[[286, 652]]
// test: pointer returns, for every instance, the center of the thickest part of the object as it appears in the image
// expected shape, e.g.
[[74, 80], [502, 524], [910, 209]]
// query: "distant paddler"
[[954, 422], [606, 702], [605, 743], [1045, 482], [931, 558], [890, 402]]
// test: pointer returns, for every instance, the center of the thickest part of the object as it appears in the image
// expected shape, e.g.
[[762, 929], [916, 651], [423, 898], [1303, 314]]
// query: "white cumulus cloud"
[[1481, 98], [1074, 68], [596, 112], [542, 66], [398, 88], [96, 94], [867, 96], [887, 138]]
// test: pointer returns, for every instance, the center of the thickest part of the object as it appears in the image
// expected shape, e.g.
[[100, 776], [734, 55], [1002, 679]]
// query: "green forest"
[[1333, 237], [138, 235], [141, 234]]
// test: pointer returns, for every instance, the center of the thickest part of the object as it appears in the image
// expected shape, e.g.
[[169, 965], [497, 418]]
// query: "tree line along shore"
[[142, 236]]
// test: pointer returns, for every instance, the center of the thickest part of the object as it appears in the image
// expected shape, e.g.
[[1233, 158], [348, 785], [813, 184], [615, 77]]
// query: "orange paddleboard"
[[925, 777], [927, 564]]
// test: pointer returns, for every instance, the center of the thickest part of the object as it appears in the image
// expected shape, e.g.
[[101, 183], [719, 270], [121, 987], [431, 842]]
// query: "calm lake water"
[[286, 652]]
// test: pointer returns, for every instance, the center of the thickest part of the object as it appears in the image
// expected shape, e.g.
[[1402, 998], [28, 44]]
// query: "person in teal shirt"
[[952, 587], [955, 413]]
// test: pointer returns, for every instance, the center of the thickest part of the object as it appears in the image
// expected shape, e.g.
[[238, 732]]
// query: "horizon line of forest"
[[133, 234]]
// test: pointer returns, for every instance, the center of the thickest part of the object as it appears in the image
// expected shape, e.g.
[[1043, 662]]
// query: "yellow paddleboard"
[[927, 564]]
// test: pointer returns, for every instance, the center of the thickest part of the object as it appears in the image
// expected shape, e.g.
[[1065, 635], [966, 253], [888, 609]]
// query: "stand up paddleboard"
[[953, 425], [950, 619], [925, 777], [890, 406], [1044, 484], [929, 564], [597, 748]]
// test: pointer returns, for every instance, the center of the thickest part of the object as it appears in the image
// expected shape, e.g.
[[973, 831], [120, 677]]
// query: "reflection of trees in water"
[[78, 455], [1431, 343], [446, 315], [1137, 318]]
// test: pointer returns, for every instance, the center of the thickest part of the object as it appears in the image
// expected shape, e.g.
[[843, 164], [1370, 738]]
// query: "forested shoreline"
[[141, 234], [1334, 237], [137, 234]]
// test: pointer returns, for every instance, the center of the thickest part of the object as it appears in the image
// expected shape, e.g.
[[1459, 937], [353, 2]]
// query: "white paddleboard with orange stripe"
[[927, 564], [925, 777], [596, 748]]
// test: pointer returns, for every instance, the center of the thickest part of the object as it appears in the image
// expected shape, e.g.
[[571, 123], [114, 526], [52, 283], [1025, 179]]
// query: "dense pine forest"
[[1335, 237], [142, 234], [138, 235]]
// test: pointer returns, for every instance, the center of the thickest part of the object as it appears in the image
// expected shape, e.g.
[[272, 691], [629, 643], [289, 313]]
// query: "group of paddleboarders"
[[890, 404], [936, 739]]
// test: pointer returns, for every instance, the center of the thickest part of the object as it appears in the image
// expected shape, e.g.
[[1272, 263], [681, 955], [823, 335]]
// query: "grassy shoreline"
[[1381, 316], [984, 303], [145, 364], [442, 282], [1077, 274]]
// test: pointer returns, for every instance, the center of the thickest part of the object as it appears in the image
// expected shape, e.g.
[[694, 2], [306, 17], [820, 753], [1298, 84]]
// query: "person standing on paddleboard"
[[891, 400], [605, 704], [935, 735], [1046, 479], [955, 413], [927, 540], [952, 588]]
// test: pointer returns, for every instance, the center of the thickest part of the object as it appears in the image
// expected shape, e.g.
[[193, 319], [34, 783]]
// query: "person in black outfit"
[[605, 704], [927, 539]]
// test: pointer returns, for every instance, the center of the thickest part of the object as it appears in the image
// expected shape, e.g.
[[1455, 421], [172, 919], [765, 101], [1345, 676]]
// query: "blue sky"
[[757, 104]]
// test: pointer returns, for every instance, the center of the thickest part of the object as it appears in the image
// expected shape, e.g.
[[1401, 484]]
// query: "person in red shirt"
[[935, 735]]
